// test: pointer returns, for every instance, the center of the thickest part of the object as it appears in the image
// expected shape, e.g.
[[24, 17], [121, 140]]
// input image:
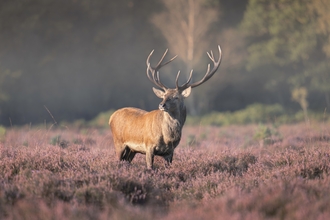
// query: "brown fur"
[[152, 133], [157, 132]]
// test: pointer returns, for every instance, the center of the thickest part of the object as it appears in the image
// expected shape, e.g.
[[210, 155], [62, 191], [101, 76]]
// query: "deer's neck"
[[172, 125]]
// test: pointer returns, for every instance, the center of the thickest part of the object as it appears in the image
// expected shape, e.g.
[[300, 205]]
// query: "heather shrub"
[[223, 175]]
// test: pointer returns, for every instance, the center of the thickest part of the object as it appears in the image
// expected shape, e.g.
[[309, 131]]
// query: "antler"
[[154, 70], [207, 75]]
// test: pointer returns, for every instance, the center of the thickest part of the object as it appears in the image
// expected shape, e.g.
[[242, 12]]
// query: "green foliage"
[[252, 114], [263, 132], [101, 120], [284, 40], [255, 113], [266, 135], [287, 34], [2, 133], [57, 140], [192, 140], [300, 95], [6, 77]]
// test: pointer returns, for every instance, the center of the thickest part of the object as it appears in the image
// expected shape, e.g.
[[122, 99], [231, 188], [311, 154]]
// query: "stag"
[[157, 132]]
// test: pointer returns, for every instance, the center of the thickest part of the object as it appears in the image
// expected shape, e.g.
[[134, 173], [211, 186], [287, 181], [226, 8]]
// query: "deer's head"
[[173, 98]]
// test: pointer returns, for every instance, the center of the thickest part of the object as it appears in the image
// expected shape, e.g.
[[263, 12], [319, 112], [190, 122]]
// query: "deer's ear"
[[159, 93], [185, 93]]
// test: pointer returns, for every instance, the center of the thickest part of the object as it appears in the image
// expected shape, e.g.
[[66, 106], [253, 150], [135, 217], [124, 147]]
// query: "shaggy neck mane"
[[173, 123]]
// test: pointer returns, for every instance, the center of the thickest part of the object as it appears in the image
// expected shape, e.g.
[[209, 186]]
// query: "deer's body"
[[151, 133], [157, 132]]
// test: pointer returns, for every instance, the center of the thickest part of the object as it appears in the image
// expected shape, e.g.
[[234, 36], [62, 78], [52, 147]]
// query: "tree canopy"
[[289, 40]]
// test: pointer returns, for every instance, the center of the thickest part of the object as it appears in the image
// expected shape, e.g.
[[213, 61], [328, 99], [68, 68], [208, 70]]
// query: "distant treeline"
[[253, 114], [69, 60]]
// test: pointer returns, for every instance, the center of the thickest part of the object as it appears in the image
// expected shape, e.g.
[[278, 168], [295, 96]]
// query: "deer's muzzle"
[[162, 106]]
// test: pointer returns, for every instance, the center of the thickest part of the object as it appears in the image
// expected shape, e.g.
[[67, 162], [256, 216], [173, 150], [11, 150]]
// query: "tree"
[[185, 25], [320, 10], [74, 55], [288, 42], [6, 77], [300, 95]]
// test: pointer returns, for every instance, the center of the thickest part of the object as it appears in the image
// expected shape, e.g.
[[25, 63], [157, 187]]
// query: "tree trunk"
[[190, 51]]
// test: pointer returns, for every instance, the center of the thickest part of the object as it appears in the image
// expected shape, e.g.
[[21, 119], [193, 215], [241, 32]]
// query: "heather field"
[[231, 172]]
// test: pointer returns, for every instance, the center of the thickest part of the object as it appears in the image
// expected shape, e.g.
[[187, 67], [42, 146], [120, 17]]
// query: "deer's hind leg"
[[128, 154], [120, 150]]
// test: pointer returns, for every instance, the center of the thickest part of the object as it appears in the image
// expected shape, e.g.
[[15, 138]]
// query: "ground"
[[231, 172]]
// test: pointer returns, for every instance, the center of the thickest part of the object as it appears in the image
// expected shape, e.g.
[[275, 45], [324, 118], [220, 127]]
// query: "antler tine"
[[211, 56], [154, 70], [147, 61], [168, 61], [154, 79], [177, 80], [185, 85], [159, 83], [148, 66], [160, 64], [161, 59], [209, 73]]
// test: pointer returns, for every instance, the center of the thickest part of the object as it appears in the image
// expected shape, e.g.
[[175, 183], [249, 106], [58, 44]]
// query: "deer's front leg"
[[168, 160], [150, 157]]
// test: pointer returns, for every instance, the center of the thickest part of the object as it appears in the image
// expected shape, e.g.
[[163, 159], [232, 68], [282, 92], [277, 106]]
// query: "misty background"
[[79, 58]]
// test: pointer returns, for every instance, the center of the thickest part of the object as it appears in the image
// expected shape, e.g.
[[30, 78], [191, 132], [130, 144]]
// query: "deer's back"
[[135, 125]]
